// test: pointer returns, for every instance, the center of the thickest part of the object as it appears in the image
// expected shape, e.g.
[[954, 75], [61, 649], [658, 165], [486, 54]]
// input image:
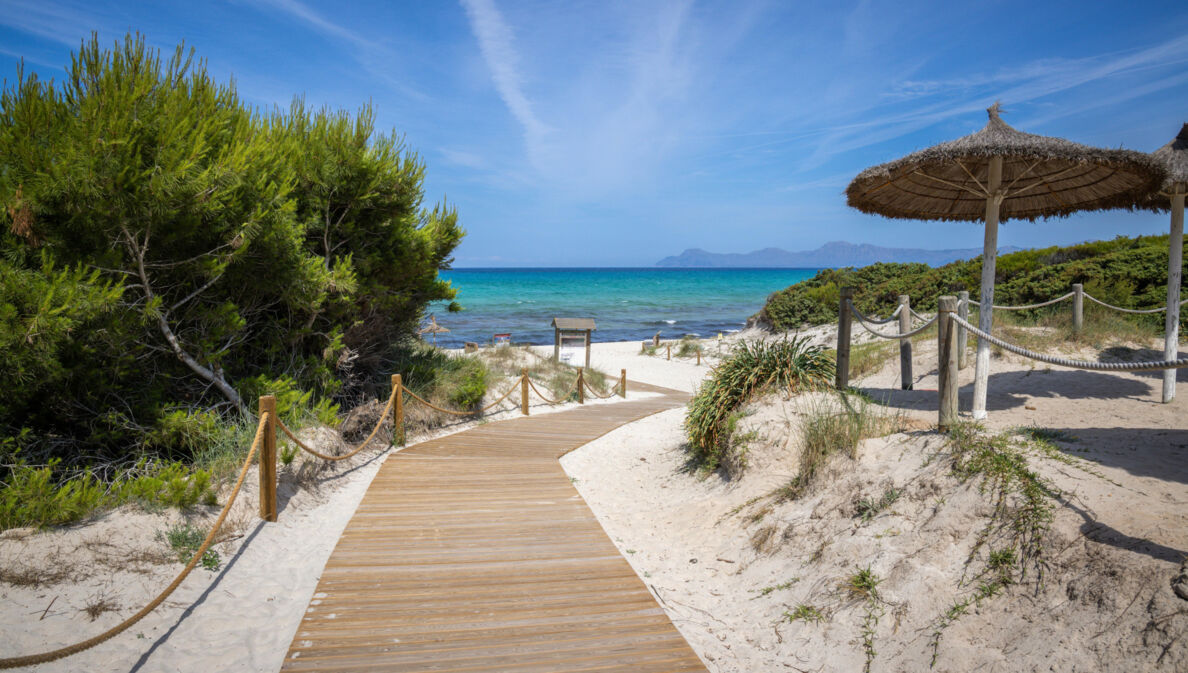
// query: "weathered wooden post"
[[842, 379], [962, 333], [623, 383], [1171, 325], [947, 363], [524, 391], [268, 460], [668, 352], [905, 345], [398, 411], [699, 357], [1078, 307], [581, 384]]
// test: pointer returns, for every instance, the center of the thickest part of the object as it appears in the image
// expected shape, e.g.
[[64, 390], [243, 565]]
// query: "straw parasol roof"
[[1174, 158], [1042, 177], [1000, 174], [433, 328]]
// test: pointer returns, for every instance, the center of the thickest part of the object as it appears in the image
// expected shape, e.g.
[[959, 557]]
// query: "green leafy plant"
[[751, 368], [185, 540], [804, 612]]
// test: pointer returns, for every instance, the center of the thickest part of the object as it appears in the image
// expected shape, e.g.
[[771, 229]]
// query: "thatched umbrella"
[[998, 174], [433, 328], [1174, 157]]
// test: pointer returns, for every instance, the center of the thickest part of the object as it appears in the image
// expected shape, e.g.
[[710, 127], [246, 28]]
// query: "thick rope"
[[1027, 307], [499, 401], [476, 412], [305, 447], [33, 659], [548, 400], [890, 318], [1161, 309], [918, 316], [862, 321], [1075, 364], [595, 393], [437, 408]]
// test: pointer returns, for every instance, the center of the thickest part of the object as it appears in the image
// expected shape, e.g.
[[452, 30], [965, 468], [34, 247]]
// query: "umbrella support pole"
[[986, 310], [1175, 265]]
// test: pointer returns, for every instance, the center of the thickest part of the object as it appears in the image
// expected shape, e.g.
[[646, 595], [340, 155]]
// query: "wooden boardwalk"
[[474, 552]]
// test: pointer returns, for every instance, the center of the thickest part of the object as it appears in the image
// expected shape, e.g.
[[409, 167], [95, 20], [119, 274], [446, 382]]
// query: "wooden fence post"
[[623, 383], [268, 460], [842, 379], [1078, 307], [398, 410], [946, 383], [1171, 320], [698, 357], [905, 345], [581, 385], [962, 333], [668, 350], [524, 391]]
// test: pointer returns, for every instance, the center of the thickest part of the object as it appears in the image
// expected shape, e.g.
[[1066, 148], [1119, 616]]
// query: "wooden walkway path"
[[474, 552]]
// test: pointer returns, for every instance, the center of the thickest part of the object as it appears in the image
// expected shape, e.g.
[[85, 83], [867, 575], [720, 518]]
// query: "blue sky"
[[615, 133]]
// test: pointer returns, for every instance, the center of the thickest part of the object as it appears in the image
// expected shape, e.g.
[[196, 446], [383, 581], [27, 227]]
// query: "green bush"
[[168, 251], [1127, 272], [750, 368], [33, 496], [466, 384]]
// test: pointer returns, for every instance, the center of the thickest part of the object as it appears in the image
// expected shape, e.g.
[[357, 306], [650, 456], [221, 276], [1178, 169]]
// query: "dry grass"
[[34, 577], [98, 604]]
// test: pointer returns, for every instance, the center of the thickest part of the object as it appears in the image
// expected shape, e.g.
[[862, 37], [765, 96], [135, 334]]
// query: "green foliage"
[[1127, 272], [469, 381], [167, 252], [458, 381], [806, 613], [751, 368], [293, 405], [185, 540], [33, 496]]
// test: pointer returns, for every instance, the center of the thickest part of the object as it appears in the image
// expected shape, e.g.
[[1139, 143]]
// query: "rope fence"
[[1161, 309], [1028, 307], [54, 655], [1068, 362], [863, 320], [954, 327], [264, 444]]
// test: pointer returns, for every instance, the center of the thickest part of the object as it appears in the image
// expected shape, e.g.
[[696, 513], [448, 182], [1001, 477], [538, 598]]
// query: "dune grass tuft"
[[791, 365]]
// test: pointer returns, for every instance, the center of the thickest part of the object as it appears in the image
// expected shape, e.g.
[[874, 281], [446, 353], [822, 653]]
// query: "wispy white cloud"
[[497, 44], [320, 23], [374, 56]]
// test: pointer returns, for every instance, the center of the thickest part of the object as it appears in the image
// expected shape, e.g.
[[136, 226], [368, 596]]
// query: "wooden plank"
[[473, 552]]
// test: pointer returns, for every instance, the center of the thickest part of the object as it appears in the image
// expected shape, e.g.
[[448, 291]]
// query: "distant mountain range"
[[834, 254]]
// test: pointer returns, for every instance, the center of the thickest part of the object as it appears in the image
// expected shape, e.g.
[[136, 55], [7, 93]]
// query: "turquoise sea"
[[626, 304]]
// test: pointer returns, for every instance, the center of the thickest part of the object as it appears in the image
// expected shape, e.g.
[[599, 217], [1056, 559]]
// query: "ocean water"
[[626, 304]]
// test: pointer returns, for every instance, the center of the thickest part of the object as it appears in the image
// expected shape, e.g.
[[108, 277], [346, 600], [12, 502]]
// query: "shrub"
[[1127, 272], [750, 368]]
